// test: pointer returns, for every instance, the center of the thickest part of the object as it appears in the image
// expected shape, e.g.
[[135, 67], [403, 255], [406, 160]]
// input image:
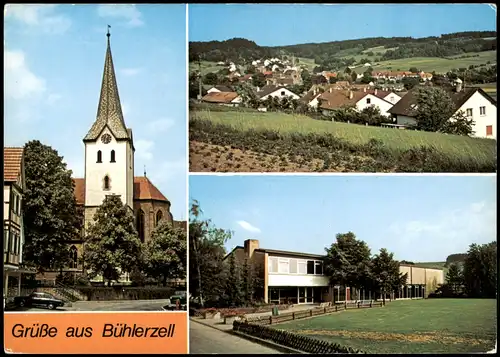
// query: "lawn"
[[393, 139], [206, 67], [416, 326]]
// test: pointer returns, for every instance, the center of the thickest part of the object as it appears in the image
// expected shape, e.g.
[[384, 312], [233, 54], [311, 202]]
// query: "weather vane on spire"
[[108, 34], [144, 170]]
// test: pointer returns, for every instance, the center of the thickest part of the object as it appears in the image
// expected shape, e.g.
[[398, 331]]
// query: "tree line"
[[473, 274], [326, 54], [53, 222]]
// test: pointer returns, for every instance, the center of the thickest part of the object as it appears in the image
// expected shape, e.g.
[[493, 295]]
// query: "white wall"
[[236, 100], [6, 199], [95, 172], [315, 102], [404, 120], [481, 121], [130, 175], [392, 98], [375, 101], [278, 94], [213, 90], [274, 280]]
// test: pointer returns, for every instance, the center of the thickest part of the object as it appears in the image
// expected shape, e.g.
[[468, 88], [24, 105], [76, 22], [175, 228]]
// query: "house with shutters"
[[474, 102], [13, 228]]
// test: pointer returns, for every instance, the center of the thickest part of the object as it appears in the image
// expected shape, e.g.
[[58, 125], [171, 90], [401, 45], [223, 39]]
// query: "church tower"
[[109, 148]]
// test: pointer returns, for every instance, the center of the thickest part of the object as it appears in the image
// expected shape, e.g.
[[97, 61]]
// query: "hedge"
[[291, 340], [126, 293]]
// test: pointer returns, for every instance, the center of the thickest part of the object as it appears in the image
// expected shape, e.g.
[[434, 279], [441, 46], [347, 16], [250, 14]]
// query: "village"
[[284, 84]]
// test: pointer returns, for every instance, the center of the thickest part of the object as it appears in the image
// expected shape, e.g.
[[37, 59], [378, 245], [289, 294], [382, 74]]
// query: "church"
[[109, 170]]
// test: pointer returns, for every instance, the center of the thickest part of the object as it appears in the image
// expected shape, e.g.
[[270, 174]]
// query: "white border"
[[339, 174], [187, 177]]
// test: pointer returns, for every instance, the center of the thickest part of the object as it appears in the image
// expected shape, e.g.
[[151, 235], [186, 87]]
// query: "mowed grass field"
[[415, 326], [392, 139]]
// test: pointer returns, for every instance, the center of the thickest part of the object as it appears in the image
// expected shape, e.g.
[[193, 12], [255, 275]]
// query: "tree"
[[454, 278], [354, 76], [210, 79], [248, 288], [434, 108], [414, 70], [112, 245], [234, 284], [410, 82], [385, 273], [248, 96], [165, 254], [250, 69], [347, 261], [259, 80], [306, 79], [459, 124], [206, 255], [333, 80], [347, 70], [50, 215], [480, 270]]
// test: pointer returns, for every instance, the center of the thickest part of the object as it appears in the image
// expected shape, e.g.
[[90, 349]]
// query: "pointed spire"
[[109, 111]]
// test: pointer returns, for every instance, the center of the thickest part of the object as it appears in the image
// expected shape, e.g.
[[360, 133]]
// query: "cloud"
[[53, 98], [128, 13], [39, 17], [143, 149], [20, 81], [168, 171], [248, 227], [160, 125], [450, 232], [128, 72]]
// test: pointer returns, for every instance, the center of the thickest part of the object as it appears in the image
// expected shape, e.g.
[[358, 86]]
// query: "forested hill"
[[238, 49]]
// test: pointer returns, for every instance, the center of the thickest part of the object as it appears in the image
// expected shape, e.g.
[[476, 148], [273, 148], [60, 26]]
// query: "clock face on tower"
[[106, 138]]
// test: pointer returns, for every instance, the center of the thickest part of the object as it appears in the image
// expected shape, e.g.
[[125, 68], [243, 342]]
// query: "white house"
[[474, 102], [276, 91], [335, 99], [311, 98], [231, 99]]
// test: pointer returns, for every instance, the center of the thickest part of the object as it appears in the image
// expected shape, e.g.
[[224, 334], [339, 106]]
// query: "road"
[[204, 339], [125, 305]]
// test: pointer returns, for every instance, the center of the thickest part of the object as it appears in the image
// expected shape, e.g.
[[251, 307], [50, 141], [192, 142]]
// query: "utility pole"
[[199, 78]]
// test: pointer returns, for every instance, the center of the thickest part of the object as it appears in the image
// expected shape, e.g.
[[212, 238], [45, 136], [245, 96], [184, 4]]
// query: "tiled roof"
[[220, 97], [12, 160], [144, 189], [339, 98], [223, 88], [404, 106], [109, 111]]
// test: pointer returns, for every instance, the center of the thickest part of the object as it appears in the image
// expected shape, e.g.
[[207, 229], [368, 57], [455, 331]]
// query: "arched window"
[[159, 216], [140, 224], [106, 182], [113, 156], [73, 257], [99, 156]]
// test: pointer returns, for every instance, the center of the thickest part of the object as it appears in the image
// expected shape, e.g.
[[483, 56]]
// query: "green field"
[[416, 326], [206, 67], [439, 65], [393, 139]]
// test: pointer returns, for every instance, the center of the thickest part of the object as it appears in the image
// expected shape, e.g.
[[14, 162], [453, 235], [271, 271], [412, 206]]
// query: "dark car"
[[38, 300], [173, 303]]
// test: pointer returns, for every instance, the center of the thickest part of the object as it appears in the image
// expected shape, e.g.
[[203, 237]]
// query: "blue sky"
[[277, 24], [54, 60], [418, 218]]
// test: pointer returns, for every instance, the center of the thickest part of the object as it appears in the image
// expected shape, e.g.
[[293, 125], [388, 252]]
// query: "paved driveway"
[[204, 339], [125, 305]]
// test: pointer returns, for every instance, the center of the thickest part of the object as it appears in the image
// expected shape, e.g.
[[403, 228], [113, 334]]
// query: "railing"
[[269, 320]]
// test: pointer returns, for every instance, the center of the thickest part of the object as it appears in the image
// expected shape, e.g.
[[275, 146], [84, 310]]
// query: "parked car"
[[172, 306], [37, 299]]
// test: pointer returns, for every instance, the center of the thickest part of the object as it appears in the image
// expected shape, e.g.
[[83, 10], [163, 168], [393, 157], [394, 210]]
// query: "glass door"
[[302, 295]]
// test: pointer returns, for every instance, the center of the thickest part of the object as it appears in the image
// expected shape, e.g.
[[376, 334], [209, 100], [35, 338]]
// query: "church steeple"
[[109, 111]]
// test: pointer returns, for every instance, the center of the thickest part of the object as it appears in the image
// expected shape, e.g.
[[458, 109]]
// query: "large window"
[[302, 264], [140, 224], [310, 267], [318, 268], [293, 266], [283, 266], [159, 216], [273, 265]]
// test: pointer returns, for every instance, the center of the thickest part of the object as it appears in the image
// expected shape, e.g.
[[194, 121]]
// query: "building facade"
[[13, 230], [299, 278]]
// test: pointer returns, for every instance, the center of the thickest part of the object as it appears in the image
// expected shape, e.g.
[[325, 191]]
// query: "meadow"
[[385, 149], [410, 326]]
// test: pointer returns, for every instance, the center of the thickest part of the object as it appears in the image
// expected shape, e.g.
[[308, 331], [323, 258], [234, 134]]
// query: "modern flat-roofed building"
[[299, 278]]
